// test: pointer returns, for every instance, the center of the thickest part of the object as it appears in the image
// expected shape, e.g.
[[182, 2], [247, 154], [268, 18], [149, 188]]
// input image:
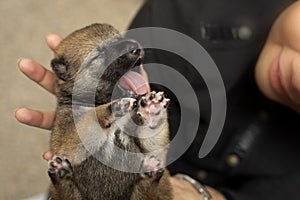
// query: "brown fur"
[[90, 178]]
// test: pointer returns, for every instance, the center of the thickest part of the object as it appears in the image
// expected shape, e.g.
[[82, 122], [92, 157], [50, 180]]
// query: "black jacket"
[[258, 153]]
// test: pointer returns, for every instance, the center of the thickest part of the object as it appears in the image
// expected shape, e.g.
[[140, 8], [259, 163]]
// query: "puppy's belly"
[[103, 182]]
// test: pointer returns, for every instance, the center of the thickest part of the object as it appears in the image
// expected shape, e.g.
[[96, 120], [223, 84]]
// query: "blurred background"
[[24, 25]]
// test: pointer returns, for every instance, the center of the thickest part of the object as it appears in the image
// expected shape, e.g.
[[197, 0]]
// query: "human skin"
[[277, 71]]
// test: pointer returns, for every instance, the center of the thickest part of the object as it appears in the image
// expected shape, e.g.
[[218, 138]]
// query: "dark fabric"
[[264, 135]]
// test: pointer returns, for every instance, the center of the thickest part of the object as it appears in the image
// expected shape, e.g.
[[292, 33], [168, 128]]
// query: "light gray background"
[[24, 25]]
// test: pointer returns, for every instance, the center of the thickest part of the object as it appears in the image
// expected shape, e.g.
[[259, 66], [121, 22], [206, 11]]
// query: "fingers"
[[48, 155], [45, 79], [38, 74], [53, 41], [35, 118]]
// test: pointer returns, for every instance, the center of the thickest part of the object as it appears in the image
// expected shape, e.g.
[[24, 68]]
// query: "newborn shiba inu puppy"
[[106, 147]]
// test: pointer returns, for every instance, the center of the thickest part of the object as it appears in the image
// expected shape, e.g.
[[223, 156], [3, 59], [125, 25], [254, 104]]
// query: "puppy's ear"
[[60, 68]]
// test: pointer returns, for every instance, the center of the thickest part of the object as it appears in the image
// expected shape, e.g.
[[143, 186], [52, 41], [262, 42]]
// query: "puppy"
[[106, 147]]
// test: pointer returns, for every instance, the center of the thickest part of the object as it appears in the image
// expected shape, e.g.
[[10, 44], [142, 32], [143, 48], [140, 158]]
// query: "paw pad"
[[151, 167], [123, 106], [154, 102], [59, 168]]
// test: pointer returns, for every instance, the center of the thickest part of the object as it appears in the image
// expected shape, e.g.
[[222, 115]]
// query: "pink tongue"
[[135, 82]]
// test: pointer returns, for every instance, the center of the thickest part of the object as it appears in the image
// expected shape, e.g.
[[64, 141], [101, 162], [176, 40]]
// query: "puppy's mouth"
[[135, 82]]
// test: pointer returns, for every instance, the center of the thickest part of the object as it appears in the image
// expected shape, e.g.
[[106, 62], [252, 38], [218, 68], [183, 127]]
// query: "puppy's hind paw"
[[152, 168], [59, 169]]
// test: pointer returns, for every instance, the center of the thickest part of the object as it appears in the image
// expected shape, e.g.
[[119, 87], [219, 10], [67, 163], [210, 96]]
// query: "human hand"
[[184, 190], [278, 67], [44, 78]]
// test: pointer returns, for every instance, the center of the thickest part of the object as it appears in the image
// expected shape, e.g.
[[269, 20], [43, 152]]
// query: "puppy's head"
[[90, 62]]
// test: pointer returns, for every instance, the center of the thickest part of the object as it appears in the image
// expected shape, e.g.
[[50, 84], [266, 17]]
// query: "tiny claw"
[[108, 125], [149, 174], [51, 171], [52, 177], [152, 96], [143, 102], [161, 99], [134, 105], [52, 164], [167, 103], [69, 164], [162, 96], [160, 172], [58, 160]]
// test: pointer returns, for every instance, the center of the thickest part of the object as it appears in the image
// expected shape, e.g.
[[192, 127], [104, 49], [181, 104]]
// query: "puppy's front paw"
[[59, 169], [152, 108], [154, 102], [152, 168], [123, 106]]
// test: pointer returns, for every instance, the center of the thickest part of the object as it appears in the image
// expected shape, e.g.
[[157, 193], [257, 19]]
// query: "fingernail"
[[49, 37], [19, 60], [17, 112], [21, 115], [25, 66]]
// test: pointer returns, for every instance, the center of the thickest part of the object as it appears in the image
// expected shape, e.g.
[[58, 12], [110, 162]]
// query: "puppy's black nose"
[[135, 51], [132, 48]]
